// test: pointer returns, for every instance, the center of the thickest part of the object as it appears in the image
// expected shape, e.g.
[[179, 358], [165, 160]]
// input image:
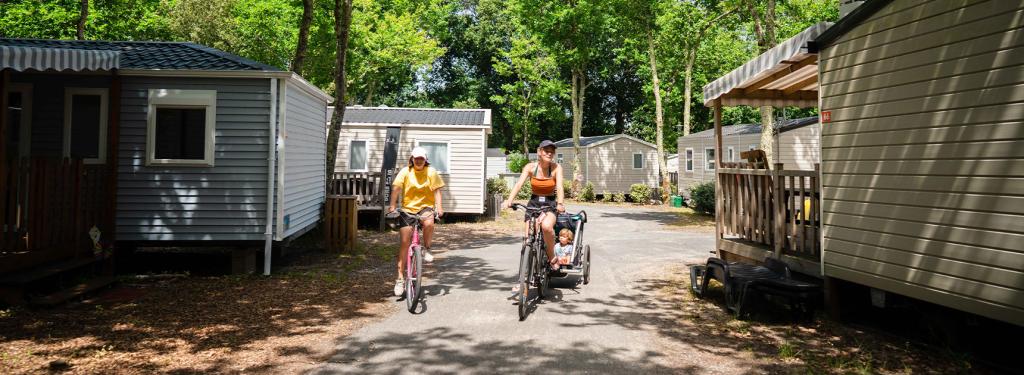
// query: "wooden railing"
[[46, 209], [776, 208], [365, 186]]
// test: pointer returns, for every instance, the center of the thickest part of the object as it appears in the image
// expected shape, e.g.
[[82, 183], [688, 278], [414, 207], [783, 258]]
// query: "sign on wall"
[[387, 168]]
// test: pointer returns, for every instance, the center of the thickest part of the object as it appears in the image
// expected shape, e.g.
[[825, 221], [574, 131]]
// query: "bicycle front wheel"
[[525, 266], [543, 270], [414, 279]]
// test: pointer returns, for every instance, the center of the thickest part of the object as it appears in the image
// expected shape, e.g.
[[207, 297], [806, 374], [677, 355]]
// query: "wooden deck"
[[366, 187], [769, 213]]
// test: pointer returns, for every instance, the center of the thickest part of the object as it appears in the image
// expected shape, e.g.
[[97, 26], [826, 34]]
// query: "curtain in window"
[[437, 154]]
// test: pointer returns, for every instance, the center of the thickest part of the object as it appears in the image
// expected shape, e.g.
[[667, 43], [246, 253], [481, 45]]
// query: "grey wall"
[[305, 158]]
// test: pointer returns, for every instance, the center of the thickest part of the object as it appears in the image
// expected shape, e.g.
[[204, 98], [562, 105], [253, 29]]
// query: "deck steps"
[[72, 292], [34, 274]]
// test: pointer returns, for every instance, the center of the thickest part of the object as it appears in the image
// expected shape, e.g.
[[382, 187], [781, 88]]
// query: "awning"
[[41, 59], [786, 75]]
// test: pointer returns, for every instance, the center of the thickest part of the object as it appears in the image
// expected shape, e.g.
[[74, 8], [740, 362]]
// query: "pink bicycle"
[[414, 256]]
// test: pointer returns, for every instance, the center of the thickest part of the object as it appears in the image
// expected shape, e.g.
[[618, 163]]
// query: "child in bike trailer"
[[420, 186], [563, 250]]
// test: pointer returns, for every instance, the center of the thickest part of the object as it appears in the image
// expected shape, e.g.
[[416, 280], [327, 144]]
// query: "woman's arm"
[[559, 189], [397, 189], [438, 207], [519, 185]]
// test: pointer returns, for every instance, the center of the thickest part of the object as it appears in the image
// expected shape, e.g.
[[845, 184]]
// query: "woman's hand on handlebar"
[[506, 204]]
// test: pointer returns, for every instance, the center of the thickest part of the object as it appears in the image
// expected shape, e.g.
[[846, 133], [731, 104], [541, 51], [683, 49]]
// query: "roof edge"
[[232, 57], [846, 24]]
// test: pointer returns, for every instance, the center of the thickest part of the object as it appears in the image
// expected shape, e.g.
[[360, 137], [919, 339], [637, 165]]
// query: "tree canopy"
[[517, 57]]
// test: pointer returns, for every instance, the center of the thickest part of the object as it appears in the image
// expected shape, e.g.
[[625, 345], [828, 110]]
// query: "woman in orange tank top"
[[545, 178]]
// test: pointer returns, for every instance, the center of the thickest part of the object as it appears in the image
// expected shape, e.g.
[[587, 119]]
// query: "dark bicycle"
[[533, 259]]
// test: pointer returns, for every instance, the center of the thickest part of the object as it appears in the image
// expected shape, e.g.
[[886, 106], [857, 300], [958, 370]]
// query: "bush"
[[587, 193], [640, 193], [497, 185], [525, 192], [702, 198], [619, 198], [516, 162], [605, 196], [567, 188]]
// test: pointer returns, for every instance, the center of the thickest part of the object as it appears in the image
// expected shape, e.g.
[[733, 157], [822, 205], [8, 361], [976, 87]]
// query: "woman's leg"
[[547, 224], [428, 231], [406, 237]]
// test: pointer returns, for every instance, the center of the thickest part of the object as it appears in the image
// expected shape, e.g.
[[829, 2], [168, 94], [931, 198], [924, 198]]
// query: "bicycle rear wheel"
[[543, 273], [586, 265], [414, 279], [525, 267]]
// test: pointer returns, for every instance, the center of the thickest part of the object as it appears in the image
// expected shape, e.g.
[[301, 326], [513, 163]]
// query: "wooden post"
[[5, 185], [113, 140], [779, 209], [719, 199]]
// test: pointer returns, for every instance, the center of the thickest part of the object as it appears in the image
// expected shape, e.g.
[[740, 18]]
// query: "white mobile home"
[[612, 163], [497, 162], [455, 140], [921, 162], [796, 145]]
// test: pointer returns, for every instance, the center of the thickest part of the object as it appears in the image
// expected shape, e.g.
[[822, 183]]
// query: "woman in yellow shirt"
[[420, 186]]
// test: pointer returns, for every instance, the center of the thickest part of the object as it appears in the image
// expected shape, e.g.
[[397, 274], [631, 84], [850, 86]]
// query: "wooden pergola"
[[771, 213]]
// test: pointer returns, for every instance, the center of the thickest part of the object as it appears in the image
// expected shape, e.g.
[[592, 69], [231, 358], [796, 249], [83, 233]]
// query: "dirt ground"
[[288, 322]]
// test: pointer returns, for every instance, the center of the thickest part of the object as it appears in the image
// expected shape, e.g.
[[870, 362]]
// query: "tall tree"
[[83, 16], [303, 42], [536, 89], [342, 24], [574, 29], [764, 29]]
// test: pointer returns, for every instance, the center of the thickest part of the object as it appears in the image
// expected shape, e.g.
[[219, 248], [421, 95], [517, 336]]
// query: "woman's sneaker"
[[399, 287], [427, 256]]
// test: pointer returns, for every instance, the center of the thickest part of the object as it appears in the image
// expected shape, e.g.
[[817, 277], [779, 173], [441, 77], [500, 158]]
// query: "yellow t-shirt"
[[418, 187]]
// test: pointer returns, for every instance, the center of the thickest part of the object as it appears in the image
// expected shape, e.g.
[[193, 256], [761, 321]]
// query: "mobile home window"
[[85, 119], [180, 127], [560, 158], [689, 160], [357, 156], [638, 161], [751, 147], [709, 159], [437, 155]]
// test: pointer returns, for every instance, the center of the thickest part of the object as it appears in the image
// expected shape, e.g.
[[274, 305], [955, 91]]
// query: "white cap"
[[419, 152]]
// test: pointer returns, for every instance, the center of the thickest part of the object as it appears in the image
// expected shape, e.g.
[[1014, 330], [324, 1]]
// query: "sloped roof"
[[756, 128], [419, 116], [584, 141], [154, 55], [495, 153]]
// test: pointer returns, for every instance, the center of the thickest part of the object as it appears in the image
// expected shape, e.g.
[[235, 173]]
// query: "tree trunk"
[[659, 119], [83, 15], [369, 93], [342, 23], [300, 48], [765, 32], [579, 86], [687, 88]]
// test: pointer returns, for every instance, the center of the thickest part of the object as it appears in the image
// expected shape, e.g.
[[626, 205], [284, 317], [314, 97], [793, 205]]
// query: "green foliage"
[[516, 162], [606, 197], [702, 198], [567, 188], [525, 191], [497, 185], [640, 193], [587, 193], [619, 198]]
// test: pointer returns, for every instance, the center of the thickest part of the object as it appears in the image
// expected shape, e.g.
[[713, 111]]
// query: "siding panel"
[[305, 154]]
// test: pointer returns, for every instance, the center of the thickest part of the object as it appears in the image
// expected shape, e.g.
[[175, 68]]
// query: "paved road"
[[470, 326]]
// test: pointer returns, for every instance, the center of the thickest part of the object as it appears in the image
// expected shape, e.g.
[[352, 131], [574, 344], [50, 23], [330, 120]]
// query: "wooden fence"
[[46, 209], [366, 187], [340, 221], [775, 208]]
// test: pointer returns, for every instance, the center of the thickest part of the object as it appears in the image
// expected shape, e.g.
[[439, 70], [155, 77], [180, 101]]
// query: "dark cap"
[[547, 143]]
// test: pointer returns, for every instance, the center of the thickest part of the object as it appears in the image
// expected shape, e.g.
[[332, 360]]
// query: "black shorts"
[[550, 201], [409, 220]]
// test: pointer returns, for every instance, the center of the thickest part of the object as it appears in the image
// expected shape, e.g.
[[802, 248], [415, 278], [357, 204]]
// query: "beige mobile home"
[[611, 162], [922, 168], [796, 144], [455, 140]]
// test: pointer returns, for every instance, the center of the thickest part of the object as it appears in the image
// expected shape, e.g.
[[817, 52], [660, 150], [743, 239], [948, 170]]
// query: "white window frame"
[[69, 92], [633, 161], [707, 161], [732, 154], [559, 158], [448, 156], [366, 155], [688, 155], [186, 99], [25, 127]]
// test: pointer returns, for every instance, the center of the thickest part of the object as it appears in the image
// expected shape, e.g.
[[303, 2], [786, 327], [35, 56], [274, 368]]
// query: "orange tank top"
[[544, 187]]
